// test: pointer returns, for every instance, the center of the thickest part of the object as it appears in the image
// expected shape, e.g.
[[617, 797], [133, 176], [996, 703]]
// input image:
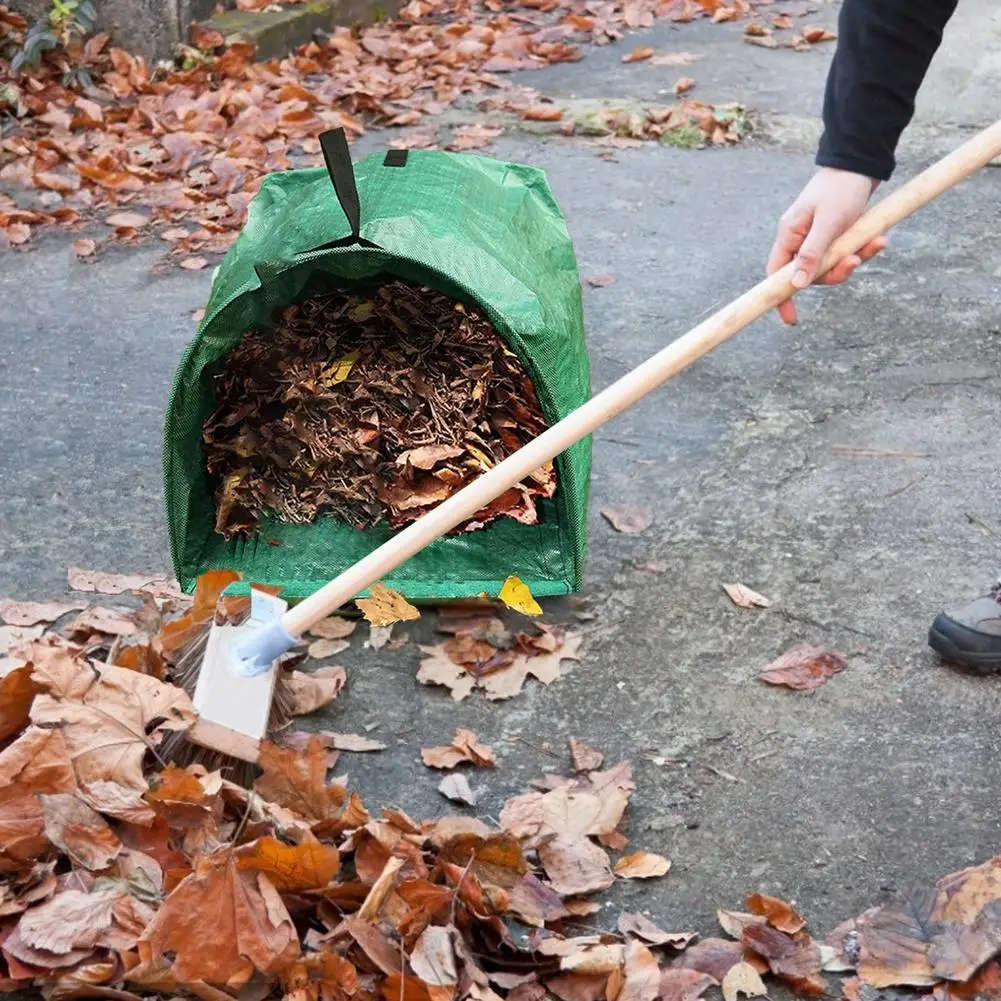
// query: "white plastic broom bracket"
[[264, 639]]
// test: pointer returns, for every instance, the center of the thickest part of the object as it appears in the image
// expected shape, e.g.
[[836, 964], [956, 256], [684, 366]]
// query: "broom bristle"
[[179, 749]]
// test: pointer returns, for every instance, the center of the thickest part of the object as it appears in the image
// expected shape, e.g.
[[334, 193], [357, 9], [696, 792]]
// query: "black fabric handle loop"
[[337, 155]]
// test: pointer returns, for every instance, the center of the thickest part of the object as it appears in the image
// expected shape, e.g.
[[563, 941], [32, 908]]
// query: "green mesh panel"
[[485, 232]]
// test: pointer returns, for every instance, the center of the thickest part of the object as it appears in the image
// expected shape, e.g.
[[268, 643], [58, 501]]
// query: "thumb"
[[823, 233]]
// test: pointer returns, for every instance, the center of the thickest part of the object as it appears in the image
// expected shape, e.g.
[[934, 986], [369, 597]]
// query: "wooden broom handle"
[[600, 409]]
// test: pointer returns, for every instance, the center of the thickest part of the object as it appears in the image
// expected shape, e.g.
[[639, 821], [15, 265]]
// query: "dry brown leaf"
[[584, 758], [37, 760], [676, 59], [494, 859], [465, 747], [298, 781], [589, 956], [335, 627], [796, 958], [467, 137], [576, 987], [31, 886], [321, 649], [433, 959], [600, 281], [714, 956], [127, 220], [684, 985], [437, 668], [22, 837], [17, 690], [742, 979], [946, 933], [644, 929], [220, 925], [14, 637], [82, 833], [456, 788], [30, 613], [194, 263], [546, 668], [70, 921], [309, 865], [159, 585], [114, 800], [542, 113], [815, 34], [353, 742], [428, 456], [576, 867], [744, 597], [734, 922], [109, 728], [105, 620], [642, 865], [386, 606], [206, 38], [307, 692], [684, 85], [641, 974], [984, 985], [776, 912], [627, 518], [764, 41], [804, 668], [640, 54]]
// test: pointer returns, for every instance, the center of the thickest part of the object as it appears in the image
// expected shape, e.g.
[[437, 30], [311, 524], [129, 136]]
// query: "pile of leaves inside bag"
[[371, 404]]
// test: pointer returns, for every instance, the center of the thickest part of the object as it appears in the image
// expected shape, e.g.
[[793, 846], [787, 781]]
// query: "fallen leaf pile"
[[190, 144], [370, 406], [123, 876], [484, 654]]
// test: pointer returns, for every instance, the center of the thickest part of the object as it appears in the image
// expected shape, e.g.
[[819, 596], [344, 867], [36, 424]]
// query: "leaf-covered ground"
[[178, 152], [123, 875]]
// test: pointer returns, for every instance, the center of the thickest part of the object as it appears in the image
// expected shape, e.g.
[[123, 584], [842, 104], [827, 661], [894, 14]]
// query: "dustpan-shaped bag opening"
[[394, 217]]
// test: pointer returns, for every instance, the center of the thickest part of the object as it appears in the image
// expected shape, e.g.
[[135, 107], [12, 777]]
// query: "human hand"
[[831, 201]]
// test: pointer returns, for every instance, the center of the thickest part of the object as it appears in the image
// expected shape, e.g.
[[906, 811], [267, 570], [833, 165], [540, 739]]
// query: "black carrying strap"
[[337, 155]]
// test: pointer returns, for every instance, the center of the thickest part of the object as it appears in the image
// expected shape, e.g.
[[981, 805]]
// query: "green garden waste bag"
[[481, 231]]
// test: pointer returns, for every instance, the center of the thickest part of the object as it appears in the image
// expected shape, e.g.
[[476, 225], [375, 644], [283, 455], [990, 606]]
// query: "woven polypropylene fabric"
[[482, 231]]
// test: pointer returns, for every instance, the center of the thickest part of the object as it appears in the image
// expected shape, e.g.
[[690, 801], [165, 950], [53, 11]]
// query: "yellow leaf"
[[516, 595], [386, 606], [340, 370]]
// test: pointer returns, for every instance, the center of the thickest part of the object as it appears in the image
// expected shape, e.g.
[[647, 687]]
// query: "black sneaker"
[[971, 636]]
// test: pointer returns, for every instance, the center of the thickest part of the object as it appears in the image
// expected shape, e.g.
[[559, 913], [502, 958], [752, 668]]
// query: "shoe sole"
[[978, 663]]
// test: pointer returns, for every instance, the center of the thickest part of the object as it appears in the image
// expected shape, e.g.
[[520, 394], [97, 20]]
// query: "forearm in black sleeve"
[[884, 49]]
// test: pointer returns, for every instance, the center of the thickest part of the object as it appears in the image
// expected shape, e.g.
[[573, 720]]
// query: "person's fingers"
[[873, 247], [841, 271], [845, 268], [822, 234], [787, 312], [793, 228]]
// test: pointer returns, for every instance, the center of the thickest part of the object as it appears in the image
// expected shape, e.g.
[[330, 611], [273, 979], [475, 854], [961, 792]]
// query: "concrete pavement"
[[885, 778]]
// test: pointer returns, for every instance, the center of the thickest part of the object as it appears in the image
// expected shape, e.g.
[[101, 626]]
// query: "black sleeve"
[[884, 49]]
